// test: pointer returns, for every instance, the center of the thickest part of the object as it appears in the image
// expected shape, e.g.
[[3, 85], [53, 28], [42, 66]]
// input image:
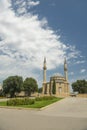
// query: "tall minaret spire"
[[44, 70], [65, 69]]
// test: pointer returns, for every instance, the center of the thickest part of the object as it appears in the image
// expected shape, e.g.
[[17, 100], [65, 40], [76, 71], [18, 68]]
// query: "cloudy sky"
[[33, 29]]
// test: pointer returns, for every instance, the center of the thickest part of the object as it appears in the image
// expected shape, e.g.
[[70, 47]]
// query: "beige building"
[[61, 82]]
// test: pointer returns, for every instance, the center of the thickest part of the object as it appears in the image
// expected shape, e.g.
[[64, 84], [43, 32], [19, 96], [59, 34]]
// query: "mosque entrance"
[[60, 90]]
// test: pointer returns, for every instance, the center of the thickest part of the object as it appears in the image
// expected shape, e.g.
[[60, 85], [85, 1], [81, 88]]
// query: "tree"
[[54, 87], [30, 85], [40, 90], [1, 92], [12, 84], [80, 86]]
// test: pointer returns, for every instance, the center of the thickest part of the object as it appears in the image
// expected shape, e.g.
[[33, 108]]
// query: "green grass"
[[3, 103], [40, 104], [37, 104]]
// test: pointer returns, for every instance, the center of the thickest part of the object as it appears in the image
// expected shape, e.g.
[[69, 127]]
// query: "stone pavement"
[[67, 114], [68, 107]]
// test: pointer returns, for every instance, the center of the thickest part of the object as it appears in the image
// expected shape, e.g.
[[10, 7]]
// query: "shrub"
[[16, 102], [44, 98]]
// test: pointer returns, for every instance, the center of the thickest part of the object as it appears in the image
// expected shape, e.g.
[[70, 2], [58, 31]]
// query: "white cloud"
[[80, 62], [73, 52], [23, 6], [26, 40], [32, 3], [82, 70], [71, 73]]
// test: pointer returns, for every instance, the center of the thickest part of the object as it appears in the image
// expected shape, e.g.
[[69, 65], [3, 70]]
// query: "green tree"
[[1, 92], [54, 87], [12, 84], [80, 86], [40, 90], [30, 85]]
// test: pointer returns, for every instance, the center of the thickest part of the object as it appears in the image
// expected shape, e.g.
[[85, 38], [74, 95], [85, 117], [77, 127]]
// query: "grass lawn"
[[40, 104], [37, 104], [3, 103]]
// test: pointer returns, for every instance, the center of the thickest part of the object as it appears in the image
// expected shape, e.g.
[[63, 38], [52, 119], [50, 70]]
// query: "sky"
[[33, 29]]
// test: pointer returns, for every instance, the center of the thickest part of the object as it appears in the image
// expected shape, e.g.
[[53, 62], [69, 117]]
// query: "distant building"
[[61, 82]]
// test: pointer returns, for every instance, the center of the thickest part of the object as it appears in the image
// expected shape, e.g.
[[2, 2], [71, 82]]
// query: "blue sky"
[[69, 19], [32, 29]]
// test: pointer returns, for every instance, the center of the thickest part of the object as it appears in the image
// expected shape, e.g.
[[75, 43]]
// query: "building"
[[60, 83]]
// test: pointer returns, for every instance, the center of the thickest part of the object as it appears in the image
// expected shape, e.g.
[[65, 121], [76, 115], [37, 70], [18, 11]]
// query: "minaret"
[[44, 76], [65, 70], [44, 71]]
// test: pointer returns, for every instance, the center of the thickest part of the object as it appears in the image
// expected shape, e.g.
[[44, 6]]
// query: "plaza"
[[67, 114]]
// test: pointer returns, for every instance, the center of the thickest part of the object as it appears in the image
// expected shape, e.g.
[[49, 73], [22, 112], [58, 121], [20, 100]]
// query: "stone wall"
[[82, 95]]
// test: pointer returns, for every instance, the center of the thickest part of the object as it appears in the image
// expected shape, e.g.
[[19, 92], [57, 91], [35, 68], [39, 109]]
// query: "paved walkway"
[[67, 114], [68, 107]]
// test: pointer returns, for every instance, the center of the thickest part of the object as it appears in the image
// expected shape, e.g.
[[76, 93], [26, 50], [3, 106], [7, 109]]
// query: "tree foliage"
[[30, 85], [80, 86], [1, 92], [54, 87], [40, 90], [12, 84]]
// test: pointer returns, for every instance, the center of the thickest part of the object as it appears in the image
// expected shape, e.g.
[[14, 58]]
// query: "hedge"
[[27, 101], [16, 102], [44, 98]]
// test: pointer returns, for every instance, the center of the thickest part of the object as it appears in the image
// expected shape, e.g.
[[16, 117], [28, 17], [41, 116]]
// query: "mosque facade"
[[58, 85]]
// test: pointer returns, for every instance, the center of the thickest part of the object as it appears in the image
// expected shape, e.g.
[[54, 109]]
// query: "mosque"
[[60, 83]]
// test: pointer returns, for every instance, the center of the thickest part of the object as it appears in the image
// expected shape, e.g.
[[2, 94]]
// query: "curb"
[[19, 108]]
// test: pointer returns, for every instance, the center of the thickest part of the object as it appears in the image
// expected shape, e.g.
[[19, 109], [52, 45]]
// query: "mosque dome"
[[57, 75]]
